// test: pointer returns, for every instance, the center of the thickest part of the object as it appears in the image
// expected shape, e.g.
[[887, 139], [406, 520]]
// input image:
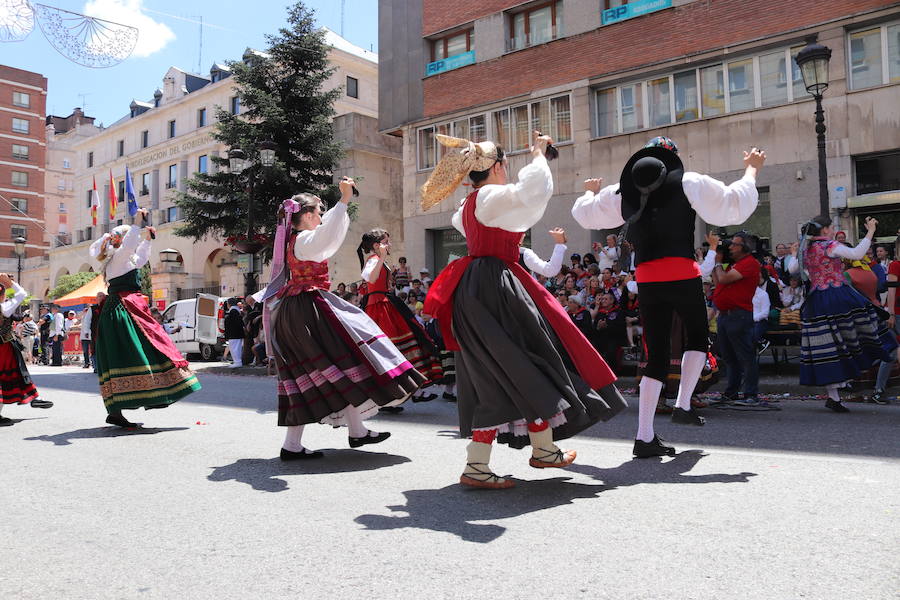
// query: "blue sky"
[[169, 39]]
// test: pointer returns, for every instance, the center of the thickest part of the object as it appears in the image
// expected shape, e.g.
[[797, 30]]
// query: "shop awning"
[[84, 295]]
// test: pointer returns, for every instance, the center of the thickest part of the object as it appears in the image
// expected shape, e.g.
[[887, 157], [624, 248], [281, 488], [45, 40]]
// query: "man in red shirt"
[[733, 297]]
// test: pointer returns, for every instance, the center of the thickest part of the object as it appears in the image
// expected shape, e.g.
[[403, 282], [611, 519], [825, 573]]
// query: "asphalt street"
[[798, 503]]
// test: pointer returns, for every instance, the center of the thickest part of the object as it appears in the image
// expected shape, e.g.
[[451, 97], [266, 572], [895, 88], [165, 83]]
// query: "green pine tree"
[[283, 101]]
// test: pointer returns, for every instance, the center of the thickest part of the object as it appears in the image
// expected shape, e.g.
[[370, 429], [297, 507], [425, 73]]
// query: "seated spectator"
[[417, 292], [632, 317], [610, 328], [590, 295], [792, 296], [580, 316], [607, 280], [563, 299], [424, 277], [588, 260], [581, 276], [575, 259]]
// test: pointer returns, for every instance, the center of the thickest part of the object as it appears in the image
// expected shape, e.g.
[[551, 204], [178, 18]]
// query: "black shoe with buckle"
[[836, 406], [304, 454], [372, 437], [687, 417], [39, 403], [655, 447]]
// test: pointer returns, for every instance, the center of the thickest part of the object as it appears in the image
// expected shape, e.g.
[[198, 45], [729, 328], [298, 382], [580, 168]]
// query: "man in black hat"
[[657, 201]]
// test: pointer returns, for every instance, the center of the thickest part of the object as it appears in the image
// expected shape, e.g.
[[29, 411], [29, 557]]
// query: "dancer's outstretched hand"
[[593, 185], [755, 158], [558, 234], [346, 187], [871, 224], [712, 238]]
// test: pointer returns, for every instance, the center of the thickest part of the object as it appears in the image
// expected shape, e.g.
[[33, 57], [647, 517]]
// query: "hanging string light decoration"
[[87, 41], [16, 20]]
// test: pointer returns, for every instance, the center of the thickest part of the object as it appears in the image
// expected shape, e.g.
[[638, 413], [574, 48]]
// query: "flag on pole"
[[129, 194], [113, 199], [95, 203]]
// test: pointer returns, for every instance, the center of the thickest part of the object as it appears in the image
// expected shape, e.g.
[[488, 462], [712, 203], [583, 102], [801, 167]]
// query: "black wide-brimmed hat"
[[645, 167]]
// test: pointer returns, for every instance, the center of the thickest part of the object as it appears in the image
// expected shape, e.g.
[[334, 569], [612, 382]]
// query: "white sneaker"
[[234, 366]]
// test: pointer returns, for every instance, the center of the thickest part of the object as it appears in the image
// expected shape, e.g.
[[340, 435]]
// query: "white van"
[[202, 321]]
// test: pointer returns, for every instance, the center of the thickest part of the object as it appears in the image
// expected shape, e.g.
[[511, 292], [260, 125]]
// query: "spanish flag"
[[113, 199], [95, 203]]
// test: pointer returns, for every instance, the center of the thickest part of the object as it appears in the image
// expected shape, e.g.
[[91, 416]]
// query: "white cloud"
[[153, 36]]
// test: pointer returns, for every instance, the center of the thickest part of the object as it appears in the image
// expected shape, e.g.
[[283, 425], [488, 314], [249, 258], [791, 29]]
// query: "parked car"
[[202, 322]]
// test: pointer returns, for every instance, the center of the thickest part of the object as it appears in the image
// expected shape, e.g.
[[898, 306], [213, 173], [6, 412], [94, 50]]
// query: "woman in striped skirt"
[[842, 334]]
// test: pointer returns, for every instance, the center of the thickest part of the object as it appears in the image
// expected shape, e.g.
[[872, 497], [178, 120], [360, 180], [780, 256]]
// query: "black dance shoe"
[[121, 421], [427, 398], [393, 410], [6, 421], [655, 447], [687, 417], [836, 406], [156, 406], [373, 437], [38, 403], [302, 455], [449, 397]]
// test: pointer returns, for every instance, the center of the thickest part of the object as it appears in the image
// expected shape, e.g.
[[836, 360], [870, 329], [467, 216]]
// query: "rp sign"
[[633, 9]]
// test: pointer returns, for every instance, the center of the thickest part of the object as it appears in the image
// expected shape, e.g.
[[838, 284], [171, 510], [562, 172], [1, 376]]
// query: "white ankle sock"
[[833, 392], [1, 408], [292, 438], [692, 362], [649, 397], [355, 422]]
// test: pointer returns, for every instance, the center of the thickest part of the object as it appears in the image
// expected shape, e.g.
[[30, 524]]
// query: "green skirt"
[[133, 373]]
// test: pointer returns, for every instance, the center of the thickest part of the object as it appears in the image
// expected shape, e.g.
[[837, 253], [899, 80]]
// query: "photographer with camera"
[[733, 297]]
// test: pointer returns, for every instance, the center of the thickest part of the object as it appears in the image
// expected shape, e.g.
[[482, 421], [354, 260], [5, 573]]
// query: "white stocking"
[[691, 366], [355, 422], [1, 408], [833, 391], [292, 438], [647, 401]]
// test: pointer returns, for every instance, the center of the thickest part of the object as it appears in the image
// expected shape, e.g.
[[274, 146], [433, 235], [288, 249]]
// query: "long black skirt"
[[512, 368]]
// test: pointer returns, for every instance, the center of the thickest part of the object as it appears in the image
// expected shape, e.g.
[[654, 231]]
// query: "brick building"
[[23, 97], [603, 77]]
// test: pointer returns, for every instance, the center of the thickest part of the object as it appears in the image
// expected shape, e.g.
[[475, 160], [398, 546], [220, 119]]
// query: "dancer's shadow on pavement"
[[264, 474], [65, 439], [453, 509]]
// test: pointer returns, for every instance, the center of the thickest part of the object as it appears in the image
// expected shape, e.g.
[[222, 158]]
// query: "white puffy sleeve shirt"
[[134, 253], [716, 203], [8, 307], [549, 268], [836, 251], [515, 206], [324, 241]]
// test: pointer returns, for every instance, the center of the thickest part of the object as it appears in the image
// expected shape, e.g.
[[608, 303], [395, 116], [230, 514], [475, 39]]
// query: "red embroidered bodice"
[[380, 285], [824, 271], [488, 241], [304, 275]]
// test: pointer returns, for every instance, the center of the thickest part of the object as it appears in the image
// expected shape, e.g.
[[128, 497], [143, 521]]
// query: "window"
[[760, 222], [740, 85], [21, 205], [20, 179], [145, 138], [893, 35], [686, 108], [658, 100], [879, 173], [712, 89], [202, 164], [865, 58], [500, 120], [120, 148], [607, 114], [19, 125], [352, 87], [235, 105], [145, 184], [61, 184], [425, 145], [171, 214], [66, 164], [631, 99], [89, 194], [171, 128], [120, 191], [521, 131], [90, 159], [560, 119], [451, 45], [21, 99], [773, 79], [535, 25], [201, 117], [172, 181], [19, 151], [18, 231]]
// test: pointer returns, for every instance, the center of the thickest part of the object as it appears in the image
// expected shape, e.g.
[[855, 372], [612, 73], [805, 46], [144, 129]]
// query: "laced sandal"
[[485, 479], [552, 458]]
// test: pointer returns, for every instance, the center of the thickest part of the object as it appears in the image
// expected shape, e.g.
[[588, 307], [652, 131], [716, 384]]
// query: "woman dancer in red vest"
[[526, 374], [334, 365]]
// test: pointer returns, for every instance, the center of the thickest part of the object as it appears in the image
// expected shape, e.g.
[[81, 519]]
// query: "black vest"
[[666, 227]]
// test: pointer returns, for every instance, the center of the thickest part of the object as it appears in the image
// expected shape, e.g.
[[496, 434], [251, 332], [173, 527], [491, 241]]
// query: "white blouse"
[[133, 254], [8, 307], [836, 251], [716, 203], [513, 207], [324, 241], [369, 268], [549, 268]]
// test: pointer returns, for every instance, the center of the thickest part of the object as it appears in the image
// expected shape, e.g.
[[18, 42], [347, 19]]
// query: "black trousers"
[[658, 301]]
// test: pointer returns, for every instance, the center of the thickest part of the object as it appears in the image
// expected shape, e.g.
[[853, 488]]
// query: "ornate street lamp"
[[168, 256], [813, 63], [237, 161], [19, 245], [267, 153]]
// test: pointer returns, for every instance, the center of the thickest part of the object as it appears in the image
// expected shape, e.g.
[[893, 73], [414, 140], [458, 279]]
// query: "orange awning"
[[86, 294]]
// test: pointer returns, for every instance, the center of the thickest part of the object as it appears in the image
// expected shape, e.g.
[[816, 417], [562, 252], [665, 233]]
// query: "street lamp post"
[[19, 244], [237, 163], [813, 63]]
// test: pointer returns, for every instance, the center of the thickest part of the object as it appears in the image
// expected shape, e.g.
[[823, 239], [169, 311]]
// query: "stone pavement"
[[800, 503]]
